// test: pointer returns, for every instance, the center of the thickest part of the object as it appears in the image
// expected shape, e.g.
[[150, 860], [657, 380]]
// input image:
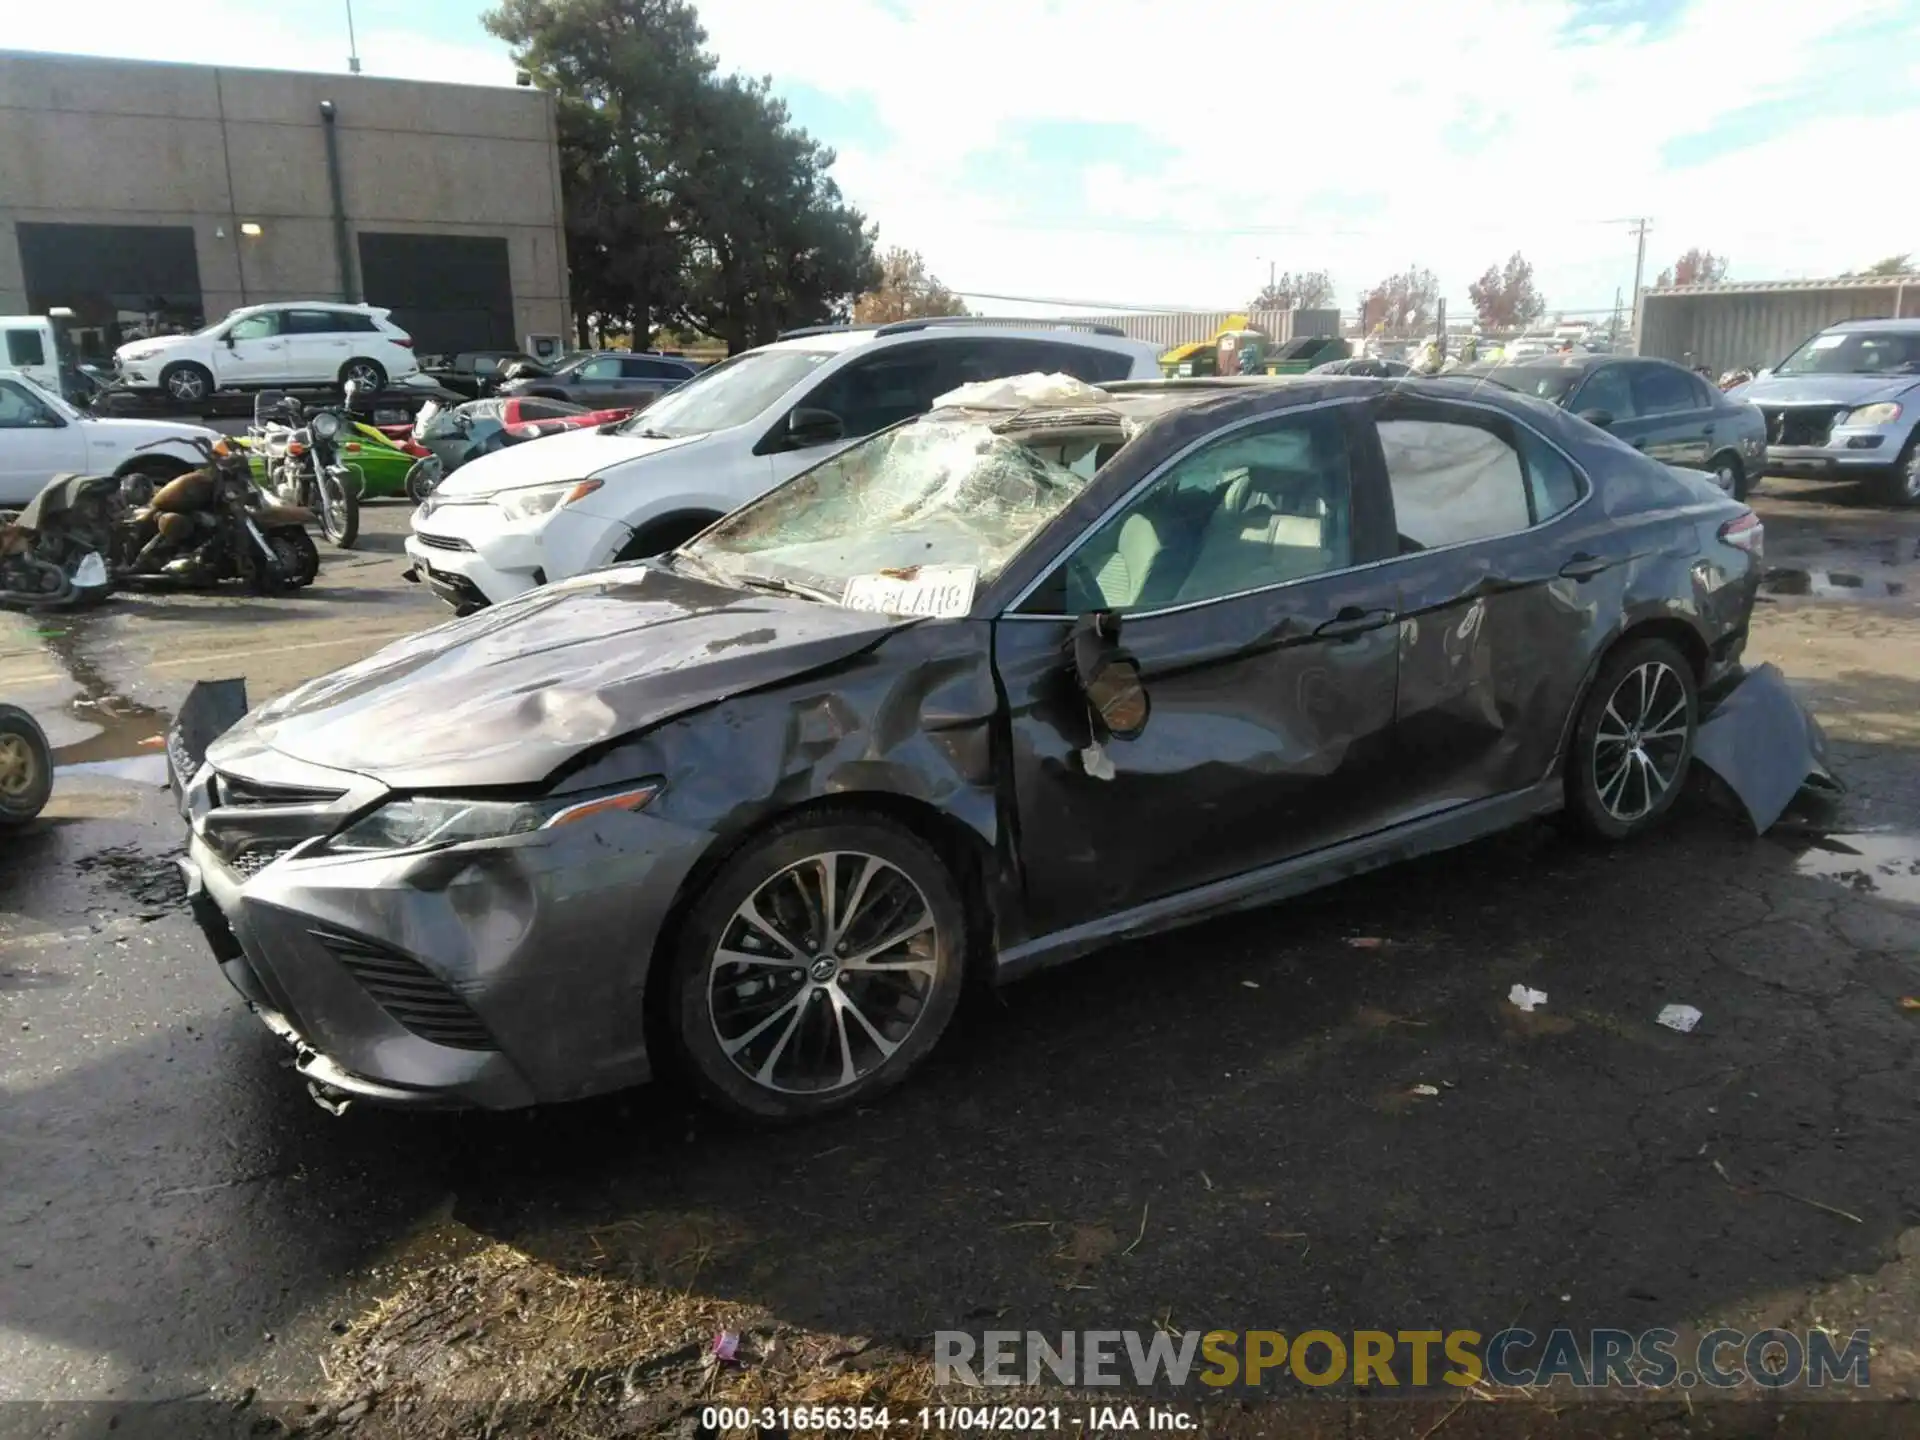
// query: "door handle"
[[1584, 566], [1352, 620], [1708, 432]]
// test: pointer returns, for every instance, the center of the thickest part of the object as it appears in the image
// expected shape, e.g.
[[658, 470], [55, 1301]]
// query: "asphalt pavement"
[[1220, 1127]]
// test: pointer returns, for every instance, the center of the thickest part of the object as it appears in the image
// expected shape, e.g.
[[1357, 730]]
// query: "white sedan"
[[41, 436]]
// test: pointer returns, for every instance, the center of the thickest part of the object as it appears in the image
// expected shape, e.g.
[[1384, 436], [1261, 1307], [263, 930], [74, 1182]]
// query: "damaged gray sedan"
[[987, 690]]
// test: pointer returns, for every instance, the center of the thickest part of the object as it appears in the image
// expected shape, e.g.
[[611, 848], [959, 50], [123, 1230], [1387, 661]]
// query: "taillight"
[[405, 342], [1745, 532]]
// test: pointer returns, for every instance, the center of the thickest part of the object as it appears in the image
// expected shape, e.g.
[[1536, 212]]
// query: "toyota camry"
[[1044, 668]]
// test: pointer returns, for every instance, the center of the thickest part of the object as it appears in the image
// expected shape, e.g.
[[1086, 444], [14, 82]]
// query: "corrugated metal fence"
[[1722, 328], [1180, 327]]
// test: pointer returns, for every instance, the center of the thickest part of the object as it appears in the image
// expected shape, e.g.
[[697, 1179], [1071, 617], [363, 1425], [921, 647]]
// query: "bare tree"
[[1505, 297], [1696, 267], [1309, 290]]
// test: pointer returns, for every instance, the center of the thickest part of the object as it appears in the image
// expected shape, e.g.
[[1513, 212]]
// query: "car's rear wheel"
[[818, 967], [368, 372], [1633, 741], [26, 767], [1901, 485], [1730, 475], [186, 382]]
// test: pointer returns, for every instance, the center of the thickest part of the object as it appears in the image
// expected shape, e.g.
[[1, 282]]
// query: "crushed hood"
[[1823, 389], [507, 696], [571, 455]]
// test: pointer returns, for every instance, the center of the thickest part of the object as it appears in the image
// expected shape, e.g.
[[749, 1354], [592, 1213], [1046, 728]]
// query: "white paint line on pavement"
[[52, 675]]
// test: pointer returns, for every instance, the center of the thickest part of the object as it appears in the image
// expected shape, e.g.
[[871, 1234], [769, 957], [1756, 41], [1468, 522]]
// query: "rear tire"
[[842, 987], [1730, 475], [368, 372], [26, 767], [1900, 486], [427, 472], [1633, 742]]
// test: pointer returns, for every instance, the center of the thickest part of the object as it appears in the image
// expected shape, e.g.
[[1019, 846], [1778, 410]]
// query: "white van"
[[30, 346], [553, 508]]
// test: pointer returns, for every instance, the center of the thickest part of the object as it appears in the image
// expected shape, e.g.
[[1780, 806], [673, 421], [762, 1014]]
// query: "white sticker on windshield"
[[1825, 342], [924, 590]]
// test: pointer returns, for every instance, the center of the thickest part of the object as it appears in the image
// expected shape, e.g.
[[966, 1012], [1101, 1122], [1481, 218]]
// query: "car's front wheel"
[[1633, 741], [1901, 485], [819, 966], [187, 383]]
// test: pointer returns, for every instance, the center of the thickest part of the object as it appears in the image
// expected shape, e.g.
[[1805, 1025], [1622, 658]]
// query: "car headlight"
[[324, 424], [1885, 413], [537, 500], [415, 821]]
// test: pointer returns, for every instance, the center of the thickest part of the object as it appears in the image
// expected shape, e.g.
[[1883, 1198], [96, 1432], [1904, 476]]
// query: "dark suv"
[[607, 379]]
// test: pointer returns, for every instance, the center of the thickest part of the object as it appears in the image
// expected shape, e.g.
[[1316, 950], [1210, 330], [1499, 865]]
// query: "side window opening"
[[1452, 482], [1254, 509], [1552, 483]]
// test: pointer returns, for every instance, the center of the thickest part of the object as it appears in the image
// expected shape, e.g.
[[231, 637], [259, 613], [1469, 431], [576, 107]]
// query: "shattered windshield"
[[949, 491], [731, 393], [1858, 352]]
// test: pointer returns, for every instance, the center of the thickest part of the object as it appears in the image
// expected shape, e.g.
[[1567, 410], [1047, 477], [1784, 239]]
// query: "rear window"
[[24, 348]]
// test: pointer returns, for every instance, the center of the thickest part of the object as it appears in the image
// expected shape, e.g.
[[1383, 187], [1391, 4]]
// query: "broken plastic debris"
[[1910, 1002], [1365, 942], [153, 742], [1524, 999], [726, 1346], [1679, 1017], [1424, 1090], [1097, 764], [1251, 984]]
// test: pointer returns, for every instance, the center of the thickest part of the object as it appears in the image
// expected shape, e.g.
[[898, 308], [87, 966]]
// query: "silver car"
[[1846, 406]]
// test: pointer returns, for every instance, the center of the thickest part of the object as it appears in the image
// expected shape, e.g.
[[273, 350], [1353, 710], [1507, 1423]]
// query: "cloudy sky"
[[1148, 152]]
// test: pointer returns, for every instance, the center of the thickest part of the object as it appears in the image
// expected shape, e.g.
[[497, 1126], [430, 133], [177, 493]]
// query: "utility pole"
[[1639, 268], [1613, 326], [353, 45]]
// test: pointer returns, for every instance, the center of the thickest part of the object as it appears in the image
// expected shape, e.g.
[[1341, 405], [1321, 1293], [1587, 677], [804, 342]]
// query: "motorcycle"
[[304, 467], [52, 552], [453, 435], [1735, 377]]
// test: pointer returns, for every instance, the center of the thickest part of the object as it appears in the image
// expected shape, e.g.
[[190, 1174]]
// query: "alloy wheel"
[[823, 972], [365, 374], [1726, 477], [19, 766], [186, 385], [1641, 741]]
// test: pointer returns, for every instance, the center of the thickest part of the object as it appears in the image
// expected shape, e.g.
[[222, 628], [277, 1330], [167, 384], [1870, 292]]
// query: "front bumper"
[[497, 974], [469, 556]]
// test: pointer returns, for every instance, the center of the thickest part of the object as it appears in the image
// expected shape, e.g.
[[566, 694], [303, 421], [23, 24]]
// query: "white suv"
[[41, 436], [299, 342], [558, 506]]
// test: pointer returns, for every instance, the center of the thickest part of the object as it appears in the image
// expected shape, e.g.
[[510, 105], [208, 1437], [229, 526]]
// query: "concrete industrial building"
[[156, 197]]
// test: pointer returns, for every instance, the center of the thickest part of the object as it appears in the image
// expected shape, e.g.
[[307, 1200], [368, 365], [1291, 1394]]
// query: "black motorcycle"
[[304, 468]]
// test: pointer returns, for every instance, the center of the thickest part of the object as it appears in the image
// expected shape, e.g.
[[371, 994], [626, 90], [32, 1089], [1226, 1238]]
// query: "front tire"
[[26, 767], [1633, 741], [1900, 487], [426, 473], [818, 967], [339, 510], [187, 383]]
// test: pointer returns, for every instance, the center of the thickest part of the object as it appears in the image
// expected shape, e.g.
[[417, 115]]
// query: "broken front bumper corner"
[[1765, 744]]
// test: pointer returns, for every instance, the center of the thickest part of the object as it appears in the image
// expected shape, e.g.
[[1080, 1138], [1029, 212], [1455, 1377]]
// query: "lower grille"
[[413, 995], [441, 542], [251, 862], [1801, 424]]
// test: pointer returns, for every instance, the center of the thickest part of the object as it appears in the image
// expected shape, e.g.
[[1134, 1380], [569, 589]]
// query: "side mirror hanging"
[[1109, 677]]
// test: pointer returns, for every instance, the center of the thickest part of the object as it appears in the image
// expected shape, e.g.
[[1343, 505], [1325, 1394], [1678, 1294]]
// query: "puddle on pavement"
[[1846, 567], [123, 746], [1885, 863]]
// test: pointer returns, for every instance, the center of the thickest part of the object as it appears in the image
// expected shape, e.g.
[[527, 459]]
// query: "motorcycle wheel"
[[339, 511], [26, 767], [298, 555], [426, 473]]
